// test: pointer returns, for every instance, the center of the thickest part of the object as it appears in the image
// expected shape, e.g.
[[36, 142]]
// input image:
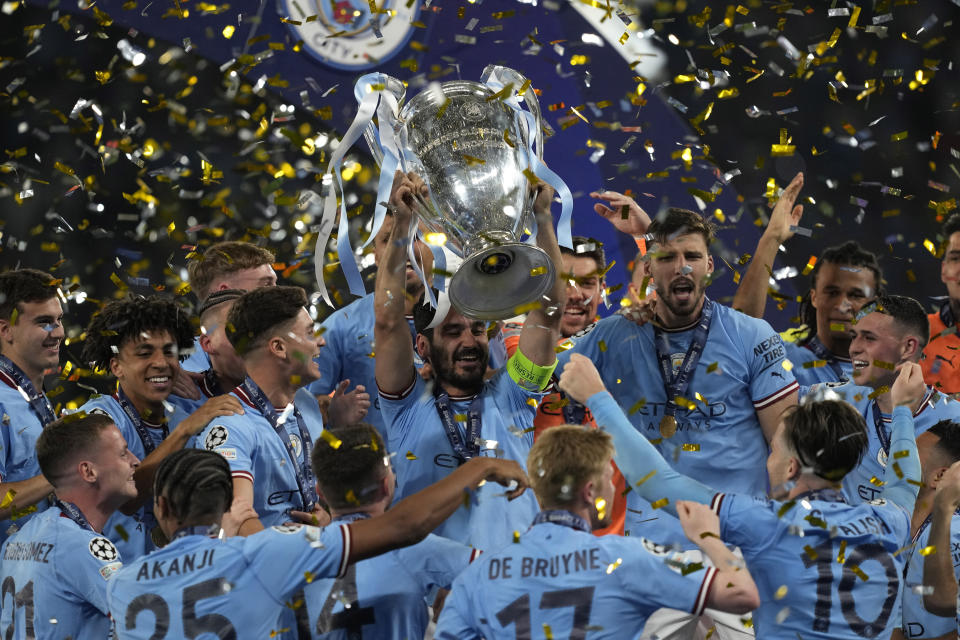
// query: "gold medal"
[[668, 426]]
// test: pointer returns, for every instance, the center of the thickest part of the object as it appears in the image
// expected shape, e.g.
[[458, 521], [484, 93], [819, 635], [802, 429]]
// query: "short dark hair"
[[255, 313], [584, 247], [196, 483], [217, 300], [951, 226], [948, 433], [678, 222], [66, 440], [848, 254], [905, 311], [24, 285], [223, 258], [828, 436], [349, 472], [130, 318]]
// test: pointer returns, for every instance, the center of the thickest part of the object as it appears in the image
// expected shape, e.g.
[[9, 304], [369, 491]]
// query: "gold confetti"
[[662, 502], [690, 447], [780, 592], [410, 456], [537, 271], [331, 439], [613, 565], [928, 550], [516, 537]]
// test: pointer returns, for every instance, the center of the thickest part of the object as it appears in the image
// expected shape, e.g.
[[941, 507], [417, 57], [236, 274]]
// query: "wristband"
[[529, 376]]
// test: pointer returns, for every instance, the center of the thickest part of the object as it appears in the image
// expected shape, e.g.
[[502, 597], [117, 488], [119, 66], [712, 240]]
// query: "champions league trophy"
[[477, 150]]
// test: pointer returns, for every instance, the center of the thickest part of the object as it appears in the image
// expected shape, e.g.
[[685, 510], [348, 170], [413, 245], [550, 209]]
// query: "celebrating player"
[[888, 333], [138, 340], [31, 332], [940, 366], [226, 265], [226, 370], [422, 426], [268, 447], [939, 576], [348, 331], [938, 448], [55, 569], [844, 278], [356, 479], [791, 543], [561, 579], [238, 587]]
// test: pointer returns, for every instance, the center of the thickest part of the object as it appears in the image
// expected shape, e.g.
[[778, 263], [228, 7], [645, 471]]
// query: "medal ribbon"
[[463, 450], [39, 403], [573, 411], [305, 479], [563, 518], [73, 512], [207, 531], [137, 421], [820, 350], [676, 385]]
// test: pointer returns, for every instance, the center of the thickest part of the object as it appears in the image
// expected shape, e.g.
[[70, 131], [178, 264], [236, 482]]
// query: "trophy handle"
[[508, 75], [391, 85]]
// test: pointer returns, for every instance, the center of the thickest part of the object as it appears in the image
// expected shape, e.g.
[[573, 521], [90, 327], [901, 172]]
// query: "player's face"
[[115, 465], [877, 348], [459, 351], [604, 490], [303, 343], [146, 367], [679, 269], [950, 267], [214, 341], [840, 293], [249, 279], [34, 337], [584, 285], [420, 250], [778, 463]]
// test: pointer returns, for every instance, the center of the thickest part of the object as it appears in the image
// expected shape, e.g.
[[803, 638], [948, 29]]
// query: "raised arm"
[[938, 574], [541, 330], [641, 464], [16, 497], [751, 296], [393, 365], [411, 519], [901, 479]]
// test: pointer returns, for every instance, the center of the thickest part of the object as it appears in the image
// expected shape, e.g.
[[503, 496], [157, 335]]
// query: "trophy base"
[[492, 284]]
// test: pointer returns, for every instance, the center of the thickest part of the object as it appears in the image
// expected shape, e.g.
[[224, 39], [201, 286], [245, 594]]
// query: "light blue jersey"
[[562, 582], [383, 597], [54, 574], [862, 484], [201, 587], [719, 440], [19, 429], [810, 368], [424, 455], [131, 534], [794, 550], [254, 451], [198, 361], [348, 355], [918, 622], [825, 569]]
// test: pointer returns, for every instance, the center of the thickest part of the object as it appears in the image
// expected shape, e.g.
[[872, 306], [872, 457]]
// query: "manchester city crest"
[[297, 444], [351, 35]]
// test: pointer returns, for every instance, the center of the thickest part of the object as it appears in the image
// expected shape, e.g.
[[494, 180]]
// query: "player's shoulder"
[[747, 327], [104, 404]]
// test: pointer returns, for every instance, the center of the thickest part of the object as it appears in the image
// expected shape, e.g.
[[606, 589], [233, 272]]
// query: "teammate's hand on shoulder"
[[636, 309], [580, 378], [240, 511], [698, 520], [348, 408], [185, 384], [909, 388], [785, 216], [319, 517], [622, 212], [504, 472], [215, 407]]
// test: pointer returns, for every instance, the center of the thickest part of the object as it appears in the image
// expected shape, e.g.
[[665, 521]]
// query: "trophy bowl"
[[473, 150]]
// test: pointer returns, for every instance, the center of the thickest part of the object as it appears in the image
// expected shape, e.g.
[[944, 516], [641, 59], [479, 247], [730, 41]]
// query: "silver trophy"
[[472, 146]]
